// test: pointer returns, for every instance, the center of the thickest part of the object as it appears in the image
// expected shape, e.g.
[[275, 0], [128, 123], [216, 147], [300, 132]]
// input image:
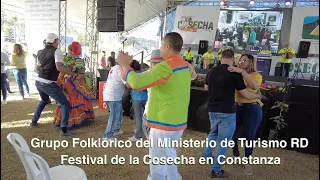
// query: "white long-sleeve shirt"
[[4, 62]]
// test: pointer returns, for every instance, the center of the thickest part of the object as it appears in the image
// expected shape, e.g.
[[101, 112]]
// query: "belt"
[[246, 104]]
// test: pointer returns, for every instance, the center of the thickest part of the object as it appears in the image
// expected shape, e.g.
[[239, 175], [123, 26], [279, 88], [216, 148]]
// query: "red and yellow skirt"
[[80, 97]]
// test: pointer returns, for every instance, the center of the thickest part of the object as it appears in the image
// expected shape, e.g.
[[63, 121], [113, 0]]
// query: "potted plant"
[[278, 120], [198, 82], [273, 91]]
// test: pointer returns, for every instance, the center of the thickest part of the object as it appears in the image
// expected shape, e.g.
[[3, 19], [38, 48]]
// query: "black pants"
[[286, 68], [3, 85]]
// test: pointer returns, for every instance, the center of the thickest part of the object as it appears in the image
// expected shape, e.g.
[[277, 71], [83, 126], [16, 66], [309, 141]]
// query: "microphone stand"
[[123, 44]]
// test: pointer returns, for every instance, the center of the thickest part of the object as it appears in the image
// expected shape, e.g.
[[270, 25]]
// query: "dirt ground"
[[16, 116]]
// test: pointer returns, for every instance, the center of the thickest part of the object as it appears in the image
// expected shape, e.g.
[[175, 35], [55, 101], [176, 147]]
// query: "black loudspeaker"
[[303, 50], [203, 47], [111, 15], [229, 17], [277, 71]]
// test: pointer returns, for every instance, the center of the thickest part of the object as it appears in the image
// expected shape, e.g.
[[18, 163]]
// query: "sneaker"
[[10, 92], [118, 133], [222, 174], [33, 125], [248, 169], [68, 133], [133, 138], [27, 95], [4, 101]]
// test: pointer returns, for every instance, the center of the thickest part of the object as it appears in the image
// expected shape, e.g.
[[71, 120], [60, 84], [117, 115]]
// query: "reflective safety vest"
[[284, 57], [188, 55]]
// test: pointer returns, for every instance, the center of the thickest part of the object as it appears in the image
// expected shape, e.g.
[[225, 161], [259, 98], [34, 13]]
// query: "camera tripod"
[[296, 72]]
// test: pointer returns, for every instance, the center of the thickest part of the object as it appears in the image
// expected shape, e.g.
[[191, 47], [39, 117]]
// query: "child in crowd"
[[139, 100]]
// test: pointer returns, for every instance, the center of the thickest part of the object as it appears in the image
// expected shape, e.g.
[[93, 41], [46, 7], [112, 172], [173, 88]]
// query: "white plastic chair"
[[37, 168]]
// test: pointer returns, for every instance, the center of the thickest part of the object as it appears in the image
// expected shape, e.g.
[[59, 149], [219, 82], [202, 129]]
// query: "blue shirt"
[[139, 95]]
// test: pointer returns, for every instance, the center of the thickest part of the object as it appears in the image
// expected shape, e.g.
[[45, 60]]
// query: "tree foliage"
[[12, 26]]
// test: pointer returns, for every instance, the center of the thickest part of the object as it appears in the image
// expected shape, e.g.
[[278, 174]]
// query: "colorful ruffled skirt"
[[79, 95]]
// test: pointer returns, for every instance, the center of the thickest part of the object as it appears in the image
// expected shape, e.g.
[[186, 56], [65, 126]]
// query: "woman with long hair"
[[248, 112], [77, 89], [18, 61]]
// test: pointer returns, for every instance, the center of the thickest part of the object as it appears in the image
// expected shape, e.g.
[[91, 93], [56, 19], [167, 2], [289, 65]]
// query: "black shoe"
[[222, 174], [33, 125], [10, 92], [68, 133]]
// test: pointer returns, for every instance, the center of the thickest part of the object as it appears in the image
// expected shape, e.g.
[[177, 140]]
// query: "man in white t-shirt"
[[112, 96]]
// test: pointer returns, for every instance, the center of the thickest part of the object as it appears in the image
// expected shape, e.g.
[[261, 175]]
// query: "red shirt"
[[103, 61]]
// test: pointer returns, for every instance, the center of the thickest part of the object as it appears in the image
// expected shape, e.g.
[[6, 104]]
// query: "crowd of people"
[[208, 59], [247, 37], [160, 96]]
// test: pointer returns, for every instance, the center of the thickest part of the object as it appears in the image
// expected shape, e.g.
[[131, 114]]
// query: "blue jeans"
[[222, 127], [250, 116], [115, 117], [21, 77], [55, 92], [138, 108]]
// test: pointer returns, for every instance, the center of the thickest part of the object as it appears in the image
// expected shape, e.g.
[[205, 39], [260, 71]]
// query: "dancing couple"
[[226, 85], [64, 81]]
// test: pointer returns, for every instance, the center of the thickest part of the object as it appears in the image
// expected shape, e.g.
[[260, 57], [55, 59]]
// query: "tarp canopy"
[[136, 11]]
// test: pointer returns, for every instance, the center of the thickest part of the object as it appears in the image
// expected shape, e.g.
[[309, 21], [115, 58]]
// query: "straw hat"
[[155, 56]]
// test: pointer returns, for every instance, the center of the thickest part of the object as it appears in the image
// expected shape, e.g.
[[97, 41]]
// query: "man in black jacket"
[[50, 65]]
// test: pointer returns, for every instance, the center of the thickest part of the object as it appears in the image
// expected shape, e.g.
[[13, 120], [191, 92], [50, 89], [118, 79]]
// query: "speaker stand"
[[296, 72]]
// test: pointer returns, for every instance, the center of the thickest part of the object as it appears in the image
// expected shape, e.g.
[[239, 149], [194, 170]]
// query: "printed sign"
[[41, 18], [263, 65], [308, 66], [196, 23], [310, 27]]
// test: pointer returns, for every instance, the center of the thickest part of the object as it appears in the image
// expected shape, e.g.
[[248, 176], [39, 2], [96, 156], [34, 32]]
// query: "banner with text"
[[41, 18], [308, 66], [196, 23]]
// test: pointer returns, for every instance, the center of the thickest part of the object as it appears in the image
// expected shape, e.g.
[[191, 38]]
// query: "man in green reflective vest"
[[286, 59], [188, 56]]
